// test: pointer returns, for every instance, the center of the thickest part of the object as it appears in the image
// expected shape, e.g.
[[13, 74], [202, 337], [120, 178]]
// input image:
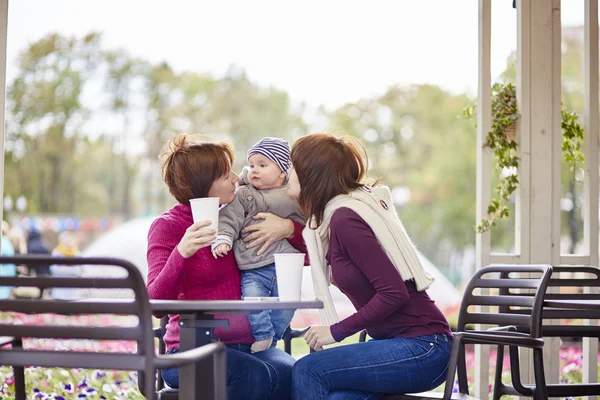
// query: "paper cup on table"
[[288, 268], [206, 209]]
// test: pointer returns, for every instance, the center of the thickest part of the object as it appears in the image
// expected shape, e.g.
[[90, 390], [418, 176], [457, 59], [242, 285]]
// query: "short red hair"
[[190, 165]]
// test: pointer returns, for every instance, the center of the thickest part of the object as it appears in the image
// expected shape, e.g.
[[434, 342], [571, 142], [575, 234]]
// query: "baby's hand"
[[243, 176], [221, 250]]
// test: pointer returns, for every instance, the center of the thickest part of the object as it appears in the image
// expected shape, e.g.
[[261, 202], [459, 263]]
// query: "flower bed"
[[571, 366], [59, 383]]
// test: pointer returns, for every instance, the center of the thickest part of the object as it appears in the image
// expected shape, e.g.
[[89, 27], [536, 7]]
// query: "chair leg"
[[461, 365], [541, 390], [515, 372], [363, 336], [287, 341], [498, 385], [142, 383], [149, 384], [19, 374]]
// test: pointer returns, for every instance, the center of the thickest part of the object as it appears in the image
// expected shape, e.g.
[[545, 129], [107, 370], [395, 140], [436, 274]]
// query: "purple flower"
[[39, 395], [98, 374], [82, 396], [59, 398], [67, 387]]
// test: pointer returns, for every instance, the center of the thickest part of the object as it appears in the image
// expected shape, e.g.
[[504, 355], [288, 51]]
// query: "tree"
[[416, 141], [46, 116], [121, 73]]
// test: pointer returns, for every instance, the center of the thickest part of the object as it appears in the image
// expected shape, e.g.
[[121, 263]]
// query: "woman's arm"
[[359, 245], [165, 262], [273, 229], [170, 251], [297, 240]]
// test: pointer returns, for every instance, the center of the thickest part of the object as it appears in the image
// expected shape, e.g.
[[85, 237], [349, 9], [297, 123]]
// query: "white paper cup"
[[288, 268], [206, 209]]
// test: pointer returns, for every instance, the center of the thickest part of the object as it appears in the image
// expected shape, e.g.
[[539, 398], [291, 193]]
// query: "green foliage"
[[45, 120], [409, 147], [572, 134], [504, 147], [68, 154]]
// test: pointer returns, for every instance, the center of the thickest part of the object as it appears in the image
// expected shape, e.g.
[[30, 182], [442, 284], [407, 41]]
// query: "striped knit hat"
[[275, 149]]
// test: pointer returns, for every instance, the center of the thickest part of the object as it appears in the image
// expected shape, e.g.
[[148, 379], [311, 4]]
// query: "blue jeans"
[[262, 282], [367, 370], [266, 375]]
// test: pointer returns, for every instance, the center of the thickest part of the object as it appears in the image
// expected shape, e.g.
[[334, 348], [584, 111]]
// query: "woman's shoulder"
[[343, 215], [178, 218], [345, 220]]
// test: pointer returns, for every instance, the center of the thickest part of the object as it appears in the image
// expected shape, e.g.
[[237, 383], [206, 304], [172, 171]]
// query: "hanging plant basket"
[[502, 141], [510, 132]]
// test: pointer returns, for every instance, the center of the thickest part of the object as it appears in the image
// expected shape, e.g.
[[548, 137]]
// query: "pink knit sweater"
[[200, 277]]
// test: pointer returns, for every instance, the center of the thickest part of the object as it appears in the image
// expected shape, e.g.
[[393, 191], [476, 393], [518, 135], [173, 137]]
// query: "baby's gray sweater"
[[237, 215]]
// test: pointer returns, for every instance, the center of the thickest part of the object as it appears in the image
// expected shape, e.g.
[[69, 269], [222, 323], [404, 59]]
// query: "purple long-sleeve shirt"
[[387, 306]]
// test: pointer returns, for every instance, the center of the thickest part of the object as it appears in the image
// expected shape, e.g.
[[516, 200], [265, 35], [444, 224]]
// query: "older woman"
[[181, 266], [356, 240]]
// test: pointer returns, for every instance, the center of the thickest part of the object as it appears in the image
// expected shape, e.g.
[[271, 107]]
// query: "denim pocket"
[[422, 345]]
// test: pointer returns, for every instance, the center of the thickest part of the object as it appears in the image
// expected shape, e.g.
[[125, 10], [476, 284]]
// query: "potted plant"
[[502, 140]]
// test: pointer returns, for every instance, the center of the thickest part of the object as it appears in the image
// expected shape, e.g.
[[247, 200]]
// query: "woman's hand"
[[318, 336], [271, 230], [196, 237]]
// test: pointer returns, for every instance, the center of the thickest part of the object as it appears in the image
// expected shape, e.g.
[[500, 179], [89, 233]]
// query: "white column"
[[539, 97], [3, 40], [484, 168], [590, 212]]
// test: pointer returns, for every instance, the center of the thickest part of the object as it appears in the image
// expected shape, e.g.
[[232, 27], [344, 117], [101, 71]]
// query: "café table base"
[[196, 331]]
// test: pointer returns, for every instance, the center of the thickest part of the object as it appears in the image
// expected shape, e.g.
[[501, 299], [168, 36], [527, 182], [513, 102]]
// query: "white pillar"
[[3, 40], [590, 224], [539, 102], [484, 168]]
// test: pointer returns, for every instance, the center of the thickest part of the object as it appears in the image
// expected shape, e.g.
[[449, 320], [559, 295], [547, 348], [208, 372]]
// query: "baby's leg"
[[257, 283]]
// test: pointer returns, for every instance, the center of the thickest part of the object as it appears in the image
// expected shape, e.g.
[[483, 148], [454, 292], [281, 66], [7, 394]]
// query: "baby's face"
[[264, 173]]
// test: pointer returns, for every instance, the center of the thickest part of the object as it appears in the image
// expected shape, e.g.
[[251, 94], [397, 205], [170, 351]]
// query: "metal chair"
[[590, 279], [481, 291], [144, 361]]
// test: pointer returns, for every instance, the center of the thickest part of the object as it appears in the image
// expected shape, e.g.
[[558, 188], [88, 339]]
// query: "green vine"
[[572, 134], [501, 139]]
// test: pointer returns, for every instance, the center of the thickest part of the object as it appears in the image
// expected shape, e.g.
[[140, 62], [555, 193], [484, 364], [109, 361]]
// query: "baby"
[[266, 191]]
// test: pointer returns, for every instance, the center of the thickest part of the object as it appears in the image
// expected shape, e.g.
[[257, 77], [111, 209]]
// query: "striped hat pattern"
[[275, 149]]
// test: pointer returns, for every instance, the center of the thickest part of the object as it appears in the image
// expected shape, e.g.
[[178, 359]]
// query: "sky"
[[320, 51]]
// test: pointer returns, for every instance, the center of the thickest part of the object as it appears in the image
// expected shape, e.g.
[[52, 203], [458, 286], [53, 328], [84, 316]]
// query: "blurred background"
[[95, 89]]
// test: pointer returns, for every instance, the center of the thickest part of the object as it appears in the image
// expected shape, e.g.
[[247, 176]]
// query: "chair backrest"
[[501, 288], [138, 306], [571, 282]]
